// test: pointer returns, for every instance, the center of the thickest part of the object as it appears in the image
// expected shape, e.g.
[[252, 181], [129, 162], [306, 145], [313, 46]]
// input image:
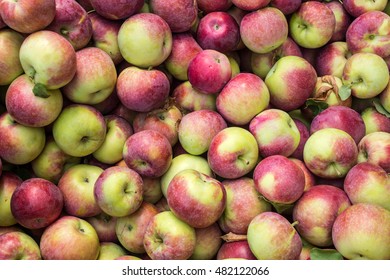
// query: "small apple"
[[375, 121], [190, 99], [375, 148], [236, 250], [331, 59], [208, 242], [110, 251], [343, 20], [18, 245]]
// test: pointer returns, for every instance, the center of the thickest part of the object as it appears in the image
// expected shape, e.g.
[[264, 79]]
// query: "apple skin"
[[8, 183], [118, 191], [209, 71], [271, 236], [28, 198], [105, 227], [148, 152], [375, 148], [169, 238], [115, 10], [71, 21], [208, 242], [154, 33], [180, 15], [235, 249], [367, 75], [218, 31], [110, 251], [343, 20], [130, 229], [375, 121], [197, 129], [369, 33], [10, 42], [275, 132], [30, 109], [260, 37], [384, 98], [19, 144], [142, 90], [240, 192], [190, 99], [233, 153], [250, 5], [70, 238], [356, 7], [362, 232], [18, 246], [26, 16], [77, 186], [340, 117], [48, 59], [86, 136], [212, 6], [287, 7], [331, 59], [245, 90], [279, 180], [316, 212], [196, 198], [290, 82], [368, 183], [304, 134], [184, 49], [118, 131]]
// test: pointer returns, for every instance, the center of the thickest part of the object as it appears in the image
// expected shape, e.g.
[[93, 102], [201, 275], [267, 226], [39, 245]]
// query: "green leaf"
[[279, 207], [345, 92], [325, 254], [40, 90], [316, 106], [378, 106]]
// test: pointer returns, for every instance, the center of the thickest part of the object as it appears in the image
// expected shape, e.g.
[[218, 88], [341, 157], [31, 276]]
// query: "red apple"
[[115, 10], [105, 227], [18, 246], [304, 133], [375, 121], [343, 20], [287, 7], [208, 242], [331, 59], [190, 99], [375, 148], [234, 250], [356, 8], [250, 5], [213, 6]]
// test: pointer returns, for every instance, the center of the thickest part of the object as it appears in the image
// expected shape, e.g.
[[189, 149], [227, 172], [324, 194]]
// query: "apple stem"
[[294, 223], [231, 237], [40, 90]]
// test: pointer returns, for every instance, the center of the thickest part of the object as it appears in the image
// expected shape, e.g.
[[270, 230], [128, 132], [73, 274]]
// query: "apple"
[[77, 186], [211, 6], [26, 16], [208, 242], [368, 183], [18, 245], [104, 226], [48, 59], [28, 198], [375, 121], [312, 25], [138, 43], [115, 10], [233, 153], [316, 211], [264, 30], [304, 134], [356, 8], [69, 238], [183, 162], [271, 236], [8, 183], [52, 162], [10, 42], [290, 82], [118, 191], [142, 90], [331, 59], [151, 189], [384, 98], [197, 129], [240, 192], [375, 148], [218, 31], [287, 7], [19, 144], [250, 5], [209, 71], [169, 238], [236, 250], [109, 105], [330, 153], [196, 198], [130, 229], [369, 33], [148, 152], [310, 179], [340, 117], [71, 21], [110, 251], [180, 15], [279, 180], [190, 99], [275, 132], [245, 90], [30, 108], [128, 257], [362, 232], [79, 130], [118, 131], [366, 74], [343, 20]]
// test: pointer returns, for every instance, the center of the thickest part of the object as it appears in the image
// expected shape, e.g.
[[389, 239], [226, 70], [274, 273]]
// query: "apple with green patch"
[[375, 148], [110, 251], [375, 121], [208, 242], [190, 99], [18, 245], [331, 59], [10, 42], [8, 183]]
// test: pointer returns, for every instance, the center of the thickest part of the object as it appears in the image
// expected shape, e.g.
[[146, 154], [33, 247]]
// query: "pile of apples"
[[194, 129]]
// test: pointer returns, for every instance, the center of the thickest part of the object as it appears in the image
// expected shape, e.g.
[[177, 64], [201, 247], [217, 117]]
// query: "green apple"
[[8, 183], [110, 251]]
